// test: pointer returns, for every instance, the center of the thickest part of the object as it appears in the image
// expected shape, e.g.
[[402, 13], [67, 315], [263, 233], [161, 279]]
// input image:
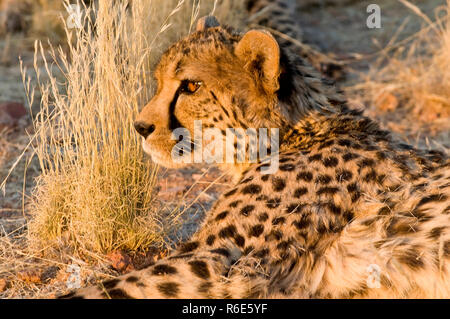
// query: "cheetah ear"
[[260, 53], [207, 22]]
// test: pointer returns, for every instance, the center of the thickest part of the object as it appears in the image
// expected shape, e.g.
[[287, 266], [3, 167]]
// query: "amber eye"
[[190, 86]]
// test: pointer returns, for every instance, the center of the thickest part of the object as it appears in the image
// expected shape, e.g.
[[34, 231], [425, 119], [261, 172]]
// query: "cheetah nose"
[[144, 129]]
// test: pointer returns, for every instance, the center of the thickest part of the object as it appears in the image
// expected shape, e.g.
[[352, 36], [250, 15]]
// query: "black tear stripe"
[[173, 121], [214, 96]]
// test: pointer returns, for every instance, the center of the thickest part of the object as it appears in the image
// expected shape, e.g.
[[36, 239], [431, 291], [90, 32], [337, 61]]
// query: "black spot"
[[163, 269], [344, 142], [447, 248], [305, 176], [366, 162], [181, 256], [348, 215], [229, 231], [240, 241], [355, 196], [235, 203], [200, 269], [262, 253], [398, 226], [370, 147], [300, 192], [168, 289], [263, 217], [381, 156], [251, 189], [278, 220], [419, 214], [265, 177], [353, 187], [256, 230], [302, 223], [110, 283], [221, 251], [315, 158], [327, 190], [369, 221], [246, 210], [381, 178], [330, 161], [118, 294], [370, 176], [204, 287], [285, 159], [344, 175], [405, 147], [273, 202], [325, 144], [278, 184], [262, 166], [274, 234], [262, 197], [432, 198], [248, 250], [349, 156], [231, 192], [412, 258], [384, 211], [323, 179], [222, 215], [210, 240], [287, 167], [334, 209], [188, 247], [283, 245], [446, 210], [436, 232], [132, 279]]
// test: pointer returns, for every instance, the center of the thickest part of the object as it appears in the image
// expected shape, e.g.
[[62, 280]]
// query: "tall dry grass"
[[96, 187], [413, 75]]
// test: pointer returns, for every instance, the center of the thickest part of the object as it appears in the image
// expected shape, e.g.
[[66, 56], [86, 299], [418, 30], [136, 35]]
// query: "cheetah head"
[[220, 79]]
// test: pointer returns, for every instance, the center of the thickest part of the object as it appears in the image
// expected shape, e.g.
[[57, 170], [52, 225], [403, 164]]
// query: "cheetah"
[[350, 213]]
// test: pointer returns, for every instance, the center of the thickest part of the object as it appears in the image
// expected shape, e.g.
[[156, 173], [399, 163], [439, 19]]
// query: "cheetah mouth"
[[159, 157]]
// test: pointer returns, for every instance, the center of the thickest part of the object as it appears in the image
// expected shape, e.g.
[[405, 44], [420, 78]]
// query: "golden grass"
[[95, 190], [95, 187], [413, 74]]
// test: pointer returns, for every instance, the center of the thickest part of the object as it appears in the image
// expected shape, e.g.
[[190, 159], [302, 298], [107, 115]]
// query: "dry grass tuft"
[[412, 77], [95, 186]]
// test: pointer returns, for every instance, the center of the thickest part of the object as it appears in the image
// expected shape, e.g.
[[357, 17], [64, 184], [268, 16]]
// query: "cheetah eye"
[[190, 87]]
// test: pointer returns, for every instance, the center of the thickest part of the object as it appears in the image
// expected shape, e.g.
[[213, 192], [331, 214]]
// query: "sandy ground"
[[334, 26]]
